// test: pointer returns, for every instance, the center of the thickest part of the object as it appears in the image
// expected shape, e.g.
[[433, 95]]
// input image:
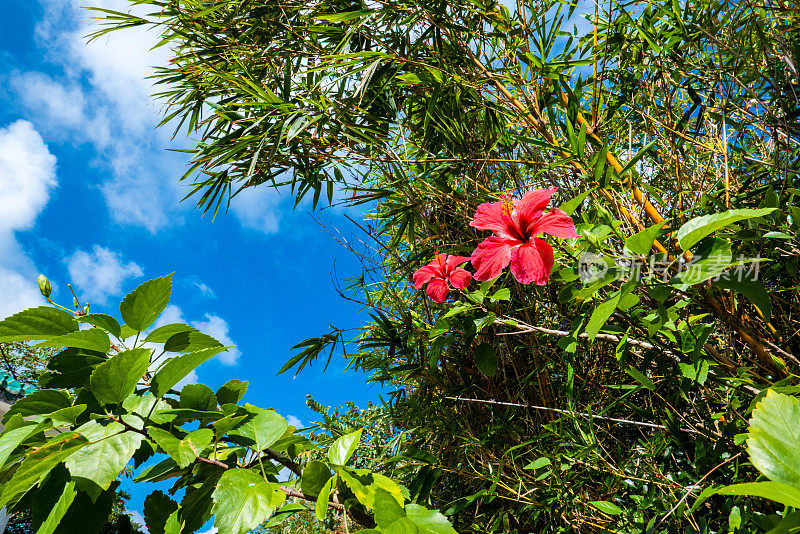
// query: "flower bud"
[[76, 303], [44, 286]]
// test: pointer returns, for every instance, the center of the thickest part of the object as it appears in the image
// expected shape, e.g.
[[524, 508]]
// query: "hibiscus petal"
[[530, 207], [422, 275], [455, 261], [489, 216], [491, 257], [556, 223], [460, 278], [437, 290], [532, 262]]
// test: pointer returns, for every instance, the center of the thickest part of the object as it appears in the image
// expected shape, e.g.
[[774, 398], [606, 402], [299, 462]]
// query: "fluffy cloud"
[[258, 208], [213, 325], [100, 273], [294, 421], [27, 177]]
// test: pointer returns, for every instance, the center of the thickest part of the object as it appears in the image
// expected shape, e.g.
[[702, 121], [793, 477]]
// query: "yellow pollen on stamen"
[[508, 205]]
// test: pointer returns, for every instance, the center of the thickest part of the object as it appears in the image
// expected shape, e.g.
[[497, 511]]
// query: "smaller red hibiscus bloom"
[[516, 225], [442, 272]]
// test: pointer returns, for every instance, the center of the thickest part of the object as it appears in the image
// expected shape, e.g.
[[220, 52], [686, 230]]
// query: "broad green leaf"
[[776, 491], [173, 525], [601, 314], [71, 368], [364, 483], [285, 512], [315, 475], [101, 320], [321, 507], [146, 406], [43, 322], [186, 450], [242, 500], [40, 402], [640, 243], [198, 397], [105, 456], [11, 439], [428, 521], [163, 470], [262, 428], [231, 392], [116, 378], [163, 333], [68, 415], [710, 260], [91, 339], [387, 509], [190, 342], [774, 438], [343, 448], [38, 462], [696, 229], [178, 367], [87, 515], [57, 513], [753, 290], [538, 463], [144, 304], [158, 507], [486, 359], [607, 507]]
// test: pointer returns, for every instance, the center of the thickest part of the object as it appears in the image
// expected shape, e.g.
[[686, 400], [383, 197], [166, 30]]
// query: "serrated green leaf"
[[242, 500], [315, 475], [116, 378], [774, 438], [184, 450], [105, 456], [158, 507], [91, 339], [11, 439], [232, 391], [38, 462], [144, 304], [262, 428], [364, 483], [40, 402], [101, 320], [696, 229], [163, 333], [178, 367], [190, 342], [343, 448], [197, 397], [321, 507], [486, 359], [43, 322]]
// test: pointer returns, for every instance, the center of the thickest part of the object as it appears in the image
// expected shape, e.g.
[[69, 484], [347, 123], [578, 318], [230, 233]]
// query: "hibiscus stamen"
[[508, 204]]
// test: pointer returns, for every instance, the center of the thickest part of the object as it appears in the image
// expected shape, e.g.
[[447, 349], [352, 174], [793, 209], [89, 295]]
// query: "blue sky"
[[89, 196]]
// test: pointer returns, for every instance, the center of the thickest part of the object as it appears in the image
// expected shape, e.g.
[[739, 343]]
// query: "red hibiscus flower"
[[442, 272], [515, 224]]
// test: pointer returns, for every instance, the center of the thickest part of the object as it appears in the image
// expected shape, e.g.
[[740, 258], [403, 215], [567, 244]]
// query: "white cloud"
[[294, 421], [62, 106], [27, 177], [100, 273], [205, 290], [258, 208]]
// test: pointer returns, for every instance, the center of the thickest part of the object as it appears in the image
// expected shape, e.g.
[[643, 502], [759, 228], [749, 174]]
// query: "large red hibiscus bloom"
[[516, 225], [440, 273]]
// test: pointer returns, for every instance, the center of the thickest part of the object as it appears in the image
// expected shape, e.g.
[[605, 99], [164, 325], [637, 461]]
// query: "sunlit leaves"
[[178, 367], [105, 456], [343, 448], [774, 438], [696, 229], [116, 378], [144, 304], [243, 499], [43, 322]]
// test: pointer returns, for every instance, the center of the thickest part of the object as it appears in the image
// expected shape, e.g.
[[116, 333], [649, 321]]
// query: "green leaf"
[[43, 322], [242, 500], [538, 463], [68, 415], [315, 475], [39, 462], [163, 333], [183, 451], [486, 359], [109, 449], [387, 509], [101, 320], [428, 521], [753, 290], [231, 392], [262, 428], [775, 491], [40, 402], [601, 314], [178, 367], [640, 243], [641, 378], [696, 229], [774, 438], [321, 507], [116, 378], [198, 397], [144, 304], [158, 507], [712, 258], [71, 368], [364, 483], [91, 339], [190, 342], [11, 439], [697, 372], [57, 513], [607, 507], [343, 448], [572, 204]]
